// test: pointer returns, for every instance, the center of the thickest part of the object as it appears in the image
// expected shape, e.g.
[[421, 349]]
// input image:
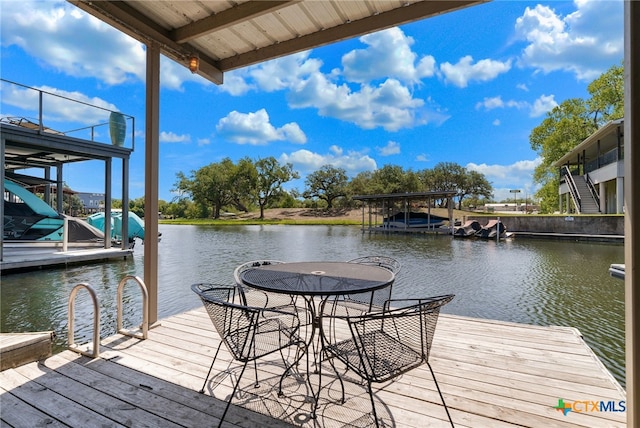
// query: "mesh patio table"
[[322, 279]]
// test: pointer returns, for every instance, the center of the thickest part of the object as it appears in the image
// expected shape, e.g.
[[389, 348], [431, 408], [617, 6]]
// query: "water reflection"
[[529, 281]]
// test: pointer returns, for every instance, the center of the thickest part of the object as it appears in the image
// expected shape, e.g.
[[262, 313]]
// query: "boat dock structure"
[[34, 258], [398, 212], [491, 373]]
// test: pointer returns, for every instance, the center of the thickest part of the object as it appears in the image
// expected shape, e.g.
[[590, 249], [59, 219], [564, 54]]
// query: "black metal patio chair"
[[266, 299], [375, 300], [385, 344], [249, 332]]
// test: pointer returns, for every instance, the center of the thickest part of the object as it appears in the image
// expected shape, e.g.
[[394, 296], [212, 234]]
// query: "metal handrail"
[[96, 321], [592, 190], [568, 177], [145, 308]]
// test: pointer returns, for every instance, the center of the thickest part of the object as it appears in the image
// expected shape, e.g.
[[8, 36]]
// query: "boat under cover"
[[29, 218], [414, 220], [135, 224]]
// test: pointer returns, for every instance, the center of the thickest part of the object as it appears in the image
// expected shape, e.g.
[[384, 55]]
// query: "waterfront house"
[[592, 174]]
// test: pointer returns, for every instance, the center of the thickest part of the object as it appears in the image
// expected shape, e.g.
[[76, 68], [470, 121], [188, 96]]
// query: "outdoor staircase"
[[588, 204]]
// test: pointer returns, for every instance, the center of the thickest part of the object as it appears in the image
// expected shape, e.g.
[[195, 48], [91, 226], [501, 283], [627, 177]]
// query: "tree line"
[[249, 184]]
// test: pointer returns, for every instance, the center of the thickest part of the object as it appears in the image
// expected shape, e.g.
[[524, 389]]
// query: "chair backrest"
[[252, 264], [378, 297], [234, 322], [411, 328], [388, 263]]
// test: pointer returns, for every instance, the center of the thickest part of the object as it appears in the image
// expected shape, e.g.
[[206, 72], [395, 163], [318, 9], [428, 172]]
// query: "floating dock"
[[23, 258], [492, 374]]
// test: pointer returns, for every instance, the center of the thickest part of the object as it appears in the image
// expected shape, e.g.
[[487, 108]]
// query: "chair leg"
[[441, 397], [373, 404], [233, 394], [296, 361], [210, 368], [255, 370]]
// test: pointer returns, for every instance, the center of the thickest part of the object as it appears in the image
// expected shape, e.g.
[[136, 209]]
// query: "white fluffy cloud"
[[586, 42], [540, 106], [100, 51], [352, 162], [389, 105], [388, 55], [171, 137], [283, 73], [466, 71], [505, 177], [256, 129], [392, 148], [543, 105]]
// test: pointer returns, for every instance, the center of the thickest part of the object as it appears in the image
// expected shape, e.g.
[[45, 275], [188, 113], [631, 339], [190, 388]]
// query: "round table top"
[[317, 278]]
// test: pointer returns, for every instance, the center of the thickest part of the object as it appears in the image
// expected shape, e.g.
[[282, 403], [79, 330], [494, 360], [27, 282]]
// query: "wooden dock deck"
[[492, 374]]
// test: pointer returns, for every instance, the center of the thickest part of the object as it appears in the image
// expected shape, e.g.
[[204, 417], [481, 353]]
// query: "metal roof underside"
[[226, 34]]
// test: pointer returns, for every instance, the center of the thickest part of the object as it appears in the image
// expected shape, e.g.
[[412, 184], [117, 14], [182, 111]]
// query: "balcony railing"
[[49, 112], [605, 159]]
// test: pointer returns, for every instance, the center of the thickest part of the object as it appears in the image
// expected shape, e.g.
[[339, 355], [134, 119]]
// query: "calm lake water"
[[542, 282]]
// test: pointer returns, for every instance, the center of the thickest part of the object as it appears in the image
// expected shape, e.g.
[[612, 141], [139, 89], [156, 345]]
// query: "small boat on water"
[[473, 229], [492, 230], [414, 220], [468, 229]]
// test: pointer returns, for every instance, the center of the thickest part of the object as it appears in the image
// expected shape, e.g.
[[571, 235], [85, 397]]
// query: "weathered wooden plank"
[[180, 396], [110, 398], [17, 349], [18, 413], [54, 405]]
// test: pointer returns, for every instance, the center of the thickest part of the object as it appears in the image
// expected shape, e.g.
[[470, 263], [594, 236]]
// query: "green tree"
[[136, 206], [361, 184], [607, 96], [444, 177], [474, 185], [327, 183], [211, 185], [243, 182], [394, 179], [271, 175]]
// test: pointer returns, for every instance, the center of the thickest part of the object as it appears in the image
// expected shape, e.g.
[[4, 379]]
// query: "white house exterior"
[[592, 174]]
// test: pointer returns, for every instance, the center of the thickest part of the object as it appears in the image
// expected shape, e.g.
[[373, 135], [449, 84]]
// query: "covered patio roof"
[[224, 35]]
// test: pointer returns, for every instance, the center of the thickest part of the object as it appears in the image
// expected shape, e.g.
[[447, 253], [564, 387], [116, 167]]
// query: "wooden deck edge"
[[17, 349]]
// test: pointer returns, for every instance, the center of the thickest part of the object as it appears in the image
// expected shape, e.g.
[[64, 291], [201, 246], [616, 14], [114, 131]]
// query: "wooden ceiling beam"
[[227, 18]]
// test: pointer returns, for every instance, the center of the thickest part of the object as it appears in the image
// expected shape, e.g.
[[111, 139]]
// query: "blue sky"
[[466, 87]]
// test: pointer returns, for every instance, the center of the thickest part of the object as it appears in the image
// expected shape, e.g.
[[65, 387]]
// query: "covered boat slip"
[[492, 374], [24, 148], [405, 212]]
